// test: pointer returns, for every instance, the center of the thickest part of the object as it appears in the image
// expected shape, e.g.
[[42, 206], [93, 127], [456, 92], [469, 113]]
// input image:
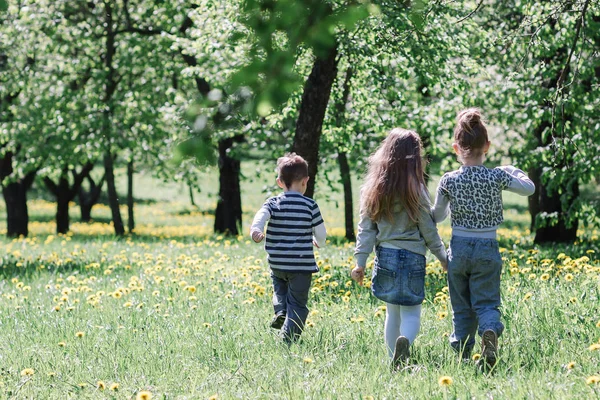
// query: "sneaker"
[[489, 347], [401, 351], [277, 321]]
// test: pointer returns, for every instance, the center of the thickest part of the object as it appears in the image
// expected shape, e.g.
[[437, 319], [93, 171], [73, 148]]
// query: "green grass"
[[184, 314]]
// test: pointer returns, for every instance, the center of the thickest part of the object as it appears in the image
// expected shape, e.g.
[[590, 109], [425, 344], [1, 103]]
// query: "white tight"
[[401, 321]]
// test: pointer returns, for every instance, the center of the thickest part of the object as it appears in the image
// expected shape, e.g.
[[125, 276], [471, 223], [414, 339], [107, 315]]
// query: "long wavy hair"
[[395, 174]]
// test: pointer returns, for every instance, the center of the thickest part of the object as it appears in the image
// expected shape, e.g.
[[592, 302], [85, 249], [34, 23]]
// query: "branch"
[[469, 15], [51, 186], [563, 74]]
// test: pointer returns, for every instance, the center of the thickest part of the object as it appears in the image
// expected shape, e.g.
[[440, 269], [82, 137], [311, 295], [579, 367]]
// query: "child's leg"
[[410, 321], [280, 290], [464, 318], [485, 286], [297, 298], [392, 326]]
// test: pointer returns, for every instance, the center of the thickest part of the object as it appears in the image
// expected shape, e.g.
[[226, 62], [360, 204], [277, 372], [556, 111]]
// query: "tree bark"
[[87, 200], [312, 112], [64, 193], [15, 197], [113, 199], [340, 118], [228, 215], [191, 191], [348, 204], [17, 216], [130, 216]]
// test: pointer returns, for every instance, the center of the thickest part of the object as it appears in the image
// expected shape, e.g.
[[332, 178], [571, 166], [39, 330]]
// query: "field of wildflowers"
[[175, 312]]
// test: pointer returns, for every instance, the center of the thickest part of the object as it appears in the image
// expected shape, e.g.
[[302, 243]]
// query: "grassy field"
[[175, 312]]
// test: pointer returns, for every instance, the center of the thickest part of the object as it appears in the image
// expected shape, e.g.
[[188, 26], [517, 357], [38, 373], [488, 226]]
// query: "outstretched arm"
[[520, 182]]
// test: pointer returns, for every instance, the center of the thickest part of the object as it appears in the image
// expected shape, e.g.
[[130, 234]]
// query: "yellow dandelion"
[[571, 365], [79, 334], [114, 387], [592, 380], [545, 277], [82, 385], [476, 357], [594, 347], [308, 360], [442, 315], [51, 374], [143, 395], [214, 397], [445, 381], [27, 372], [207, 325], [573, 300], [569, 277], [527, 296], [61, 344], [598, 324], [101, 385]]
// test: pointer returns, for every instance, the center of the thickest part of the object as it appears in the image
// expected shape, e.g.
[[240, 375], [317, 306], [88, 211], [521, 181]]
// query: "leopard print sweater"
[[475, 195]]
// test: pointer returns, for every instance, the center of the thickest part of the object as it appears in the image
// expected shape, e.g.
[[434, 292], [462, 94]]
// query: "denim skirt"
[[398, 276]]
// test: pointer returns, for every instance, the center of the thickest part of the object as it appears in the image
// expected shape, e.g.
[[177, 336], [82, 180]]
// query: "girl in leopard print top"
[[472, 195]]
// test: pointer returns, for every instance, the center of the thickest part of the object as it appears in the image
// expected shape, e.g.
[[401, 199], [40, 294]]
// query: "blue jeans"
[[474, 267], [290, 296], [398, 276]]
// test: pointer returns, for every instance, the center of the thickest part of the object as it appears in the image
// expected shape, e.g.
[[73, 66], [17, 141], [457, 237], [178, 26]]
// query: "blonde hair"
[[395, 174], [470, 133]]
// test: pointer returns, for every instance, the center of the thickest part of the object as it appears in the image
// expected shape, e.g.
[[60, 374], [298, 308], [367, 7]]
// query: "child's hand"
[[257, 236], [315, 243], [358, 275], [444, 266]]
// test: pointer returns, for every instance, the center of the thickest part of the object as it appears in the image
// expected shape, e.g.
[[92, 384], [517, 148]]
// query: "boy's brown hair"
[[470, 133], [291, 168]]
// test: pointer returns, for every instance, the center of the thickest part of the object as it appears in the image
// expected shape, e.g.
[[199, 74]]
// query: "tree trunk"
[[312, 112], [87, 200], [348, 205], [113, 199], [340, 118], [17, 216], [130, 220], [228, 215], [15, 197], [191, 189], [552, 203], [62, 204]]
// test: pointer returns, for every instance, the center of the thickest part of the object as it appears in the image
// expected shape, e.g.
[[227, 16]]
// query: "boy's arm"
[[258, 224], [441, 207], [520, 182], [318, 227]]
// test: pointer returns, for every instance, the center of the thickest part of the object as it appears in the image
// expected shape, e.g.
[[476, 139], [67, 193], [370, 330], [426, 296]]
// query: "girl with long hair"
[[395, 221]]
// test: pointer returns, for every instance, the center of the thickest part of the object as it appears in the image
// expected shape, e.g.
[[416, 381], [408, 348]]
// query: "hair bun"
[[469, 119]]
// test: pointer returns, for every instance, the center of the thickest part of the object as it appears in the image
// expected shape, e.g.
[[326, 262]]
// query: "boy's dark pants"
[[474, 268], [290, 295]]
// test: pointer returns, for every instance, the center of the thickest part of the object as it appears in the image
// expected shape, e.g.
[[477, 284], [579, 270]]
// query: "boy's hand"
[[358, 275], [257, 236], [444, 266], [315, 243]]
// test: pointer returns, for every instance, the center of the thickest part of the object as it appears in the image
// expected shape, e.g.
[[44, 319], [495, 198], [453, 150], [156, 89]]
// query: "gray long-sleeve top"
[[401, 233]]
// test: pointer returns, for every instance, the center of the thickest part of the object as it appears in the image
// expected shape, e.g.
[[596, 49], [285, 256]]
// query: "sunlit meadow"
[[176, 312]]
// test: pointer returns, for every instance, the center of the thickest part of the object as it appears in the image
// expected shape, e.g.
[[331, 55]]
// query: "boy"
[[295, 224]]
